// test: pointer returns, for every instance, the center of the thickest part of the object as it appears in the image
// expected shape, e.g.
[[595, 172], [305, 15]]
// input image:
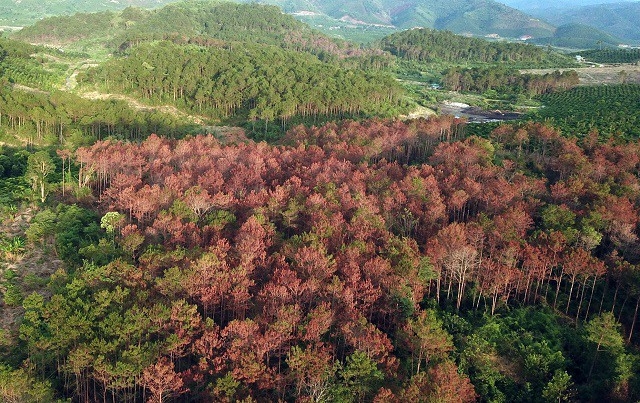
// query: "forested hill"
[[259, 82], [34, 112], [428, 45], [619, 19], [580, 36], [225, 21], [200, 22]]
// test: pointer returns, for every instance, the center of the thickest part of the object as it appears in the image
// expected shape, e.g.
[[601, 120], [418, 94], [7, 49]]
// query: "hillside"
[[478, 17], [618, 19], [579, 36]]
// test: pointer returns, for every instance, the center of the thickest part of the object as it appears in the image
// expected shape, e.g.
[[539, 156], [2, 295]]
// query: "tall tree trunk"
[[559, 281], [584, 286], [573, 281], [635, 316], [622, 308], [593, 287], [615, 297], [42, 195]]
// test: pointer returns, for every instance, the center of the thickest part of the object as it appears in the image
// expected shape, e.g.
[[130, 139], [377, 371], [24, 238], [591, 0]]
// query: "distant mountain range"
[[619, 19], [477, 17], [473, 17], [579, 36], [529, 5]]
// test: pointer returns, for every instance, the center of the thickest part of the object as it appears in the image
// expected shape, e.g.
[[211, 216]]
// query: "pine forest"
[[216, 202]]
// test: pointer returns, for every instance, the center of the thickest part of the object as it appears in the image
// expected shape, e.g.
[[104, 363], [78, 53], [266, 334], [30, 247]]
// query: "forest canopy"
[[428, 45], [349, 263]]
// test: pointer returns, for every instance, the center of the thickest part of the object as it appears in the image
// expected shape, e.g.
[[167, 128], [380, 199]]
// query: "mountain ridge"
[[477, 17], [617, 18], [474, 17]]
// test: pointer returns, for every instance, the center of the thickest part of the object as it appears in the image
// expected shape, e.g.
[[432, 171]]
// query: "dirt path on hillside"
[[71, 83], [613, 74], [137, 105]]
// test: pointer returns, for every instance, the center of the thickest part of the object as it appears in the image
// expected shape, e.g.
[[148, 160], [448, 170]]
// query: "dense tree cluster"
[[507, 81], [303, 272], [429, 45], [14, 49], [276, 290], [264, 83], [13, 185]]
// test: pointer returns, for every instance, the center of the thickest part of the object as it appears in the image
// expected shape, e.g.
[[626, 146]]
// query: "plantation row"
[[610, 55], [17, 66], [614, 111]]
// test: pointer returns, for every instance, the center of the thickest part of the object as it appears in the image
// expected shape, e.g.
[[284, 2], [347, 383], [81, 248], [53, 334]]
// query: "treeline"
[[507, 81], [264, 83], [609, 55], [611, 110], [429, 45], [33, 117], [306, 270]]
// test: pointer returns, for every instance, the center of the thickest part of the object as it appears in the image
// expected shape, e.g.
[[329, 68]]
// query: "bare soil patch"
[[606, 74], [34, 262]]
